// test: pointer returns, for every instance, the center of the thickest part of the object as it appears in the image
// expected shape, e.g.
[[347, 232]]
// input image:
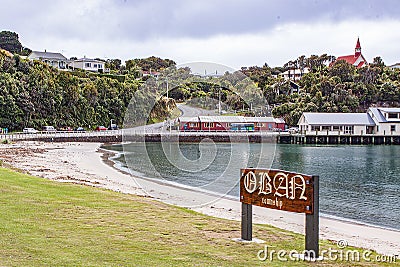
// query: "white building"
[[88, 64], [387, 120], [395, 66], [336, 123], [377, 121], [294, 74], [55, 60], [357, 60]]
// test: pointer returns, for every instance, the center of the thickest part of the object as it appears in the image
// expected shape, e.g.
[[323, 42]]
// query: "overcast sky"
[[230, 32]]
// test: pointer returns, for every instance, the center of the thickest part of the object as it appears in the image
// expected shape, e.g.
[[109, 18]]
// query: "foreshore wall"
[[340, 139], [218, 137], [156, 137]]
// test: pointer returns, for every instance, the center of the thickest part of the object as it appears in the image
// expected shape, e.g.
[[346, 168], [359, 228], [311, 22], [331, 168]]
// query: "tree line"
[[33, 94], [330, 86]]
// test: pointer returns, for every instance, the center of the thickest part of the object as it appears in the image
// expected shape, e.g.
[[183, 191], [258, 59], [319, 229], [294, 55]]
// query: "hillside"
[[33, 94], [338, 88]]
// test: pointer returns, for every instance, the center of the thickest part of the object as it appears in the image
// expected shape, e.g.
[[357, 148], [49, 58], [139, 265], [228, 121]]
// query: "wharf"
[[218, 137], [339, 139]]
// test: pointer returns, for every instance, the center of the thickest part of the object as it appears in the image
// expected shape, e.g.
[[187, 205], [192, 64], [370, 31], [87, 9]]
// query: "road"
[[188, 111]]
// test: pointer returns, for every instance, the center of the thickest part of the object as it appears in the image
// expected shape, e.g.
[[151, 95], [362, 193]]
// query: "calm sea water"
[[360, 183]]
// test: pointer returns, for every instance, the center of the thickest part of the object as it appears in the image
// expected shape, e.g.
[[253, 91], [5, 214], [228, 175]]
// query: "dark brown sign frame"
[[282, 190], [276, 189]]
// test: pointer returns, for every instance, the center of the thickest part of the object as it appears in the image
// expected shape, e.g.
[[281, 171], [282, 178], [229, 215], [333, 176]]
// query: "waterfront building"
[[56, 60], [230, 123], [387, 120], [376, 121], [336, 123]]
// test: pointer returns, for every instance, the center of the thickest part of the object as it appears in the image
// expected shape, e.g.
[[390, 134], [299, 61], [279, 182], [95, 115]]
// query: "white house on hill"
[[294, 74], [88, 64], [377, 121], [56, 60], [395, 66]]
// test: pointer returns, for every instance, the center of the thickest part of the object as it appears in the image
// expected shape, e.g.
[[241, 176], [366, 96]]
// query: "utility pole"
[[219, 101], [167, 86]]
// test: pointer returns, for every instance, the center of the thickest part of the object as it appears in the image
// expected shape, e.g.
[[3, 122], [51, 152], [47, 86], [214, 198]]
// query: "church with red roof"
[[357, 60]]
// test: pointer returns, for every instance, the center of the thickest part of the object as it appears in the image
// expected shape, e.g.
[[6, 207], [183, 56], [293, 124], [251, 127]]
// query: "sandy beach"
[[86, 163]]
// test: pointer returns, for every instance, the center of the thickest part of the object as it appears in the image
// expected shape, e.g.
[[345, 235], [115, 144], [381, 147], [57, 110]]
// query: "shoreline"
[[89, 164], [118, 166]]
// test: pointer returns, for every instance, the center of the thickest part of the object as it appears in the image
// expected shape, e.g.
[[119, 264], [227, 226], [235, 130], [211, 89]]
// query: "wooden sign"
[[282, 190], [277, 189]]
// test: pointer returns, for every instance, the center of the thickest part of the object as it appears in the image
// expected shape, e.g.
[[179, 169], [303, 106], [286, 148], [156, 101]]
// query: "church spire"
[[358, 48]]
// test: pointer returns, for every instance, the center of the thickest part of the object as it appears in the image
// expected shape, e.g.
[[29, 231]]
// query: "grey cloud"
[[199, 19], [139, 20]]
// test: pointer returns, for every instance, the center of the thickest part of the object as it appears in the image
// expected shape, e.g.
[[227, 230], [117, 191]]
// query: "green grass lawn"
[[45, 223]]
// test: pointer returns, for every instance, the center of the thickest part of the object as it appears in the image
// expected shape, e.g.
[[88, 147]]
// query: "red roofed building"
[[357, 60]]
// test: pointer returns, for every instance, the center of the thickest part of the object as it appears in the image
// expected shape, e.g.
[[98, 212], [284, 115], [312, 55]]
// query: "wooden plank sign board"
[[276, 189]]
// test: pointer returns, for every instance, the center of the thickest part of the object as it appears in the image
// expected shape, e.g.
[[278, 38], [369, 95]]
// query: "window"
[[88, 65], [349, 129], [392, 128], [100, 66], [95, 65], [326, 128], [377, 129], [208, 125], [314, 128], [336, 128], [393, 115]]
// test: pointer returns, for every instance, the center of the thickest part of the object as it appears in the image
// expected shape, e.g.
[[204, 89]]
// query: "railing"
[[15, 136], [57, 134]]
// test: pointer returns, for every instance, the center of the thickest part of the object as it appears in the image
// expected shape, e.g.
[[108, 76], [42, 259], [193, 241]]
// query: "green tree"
[[9, 41], [113, 64]]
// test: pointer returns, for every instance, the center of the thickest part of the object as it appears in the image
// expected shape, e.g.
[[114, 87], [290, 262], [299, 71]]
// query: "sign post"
[[312, 221], [247, 222], [282, 190]]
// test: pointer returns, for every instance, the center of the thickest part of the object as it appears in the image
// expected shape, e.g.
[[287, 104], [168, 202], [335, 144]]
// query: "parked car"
[[113, 127], [80, 129], [101, 128], [48, 129], [66, 129], [29, 130]]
